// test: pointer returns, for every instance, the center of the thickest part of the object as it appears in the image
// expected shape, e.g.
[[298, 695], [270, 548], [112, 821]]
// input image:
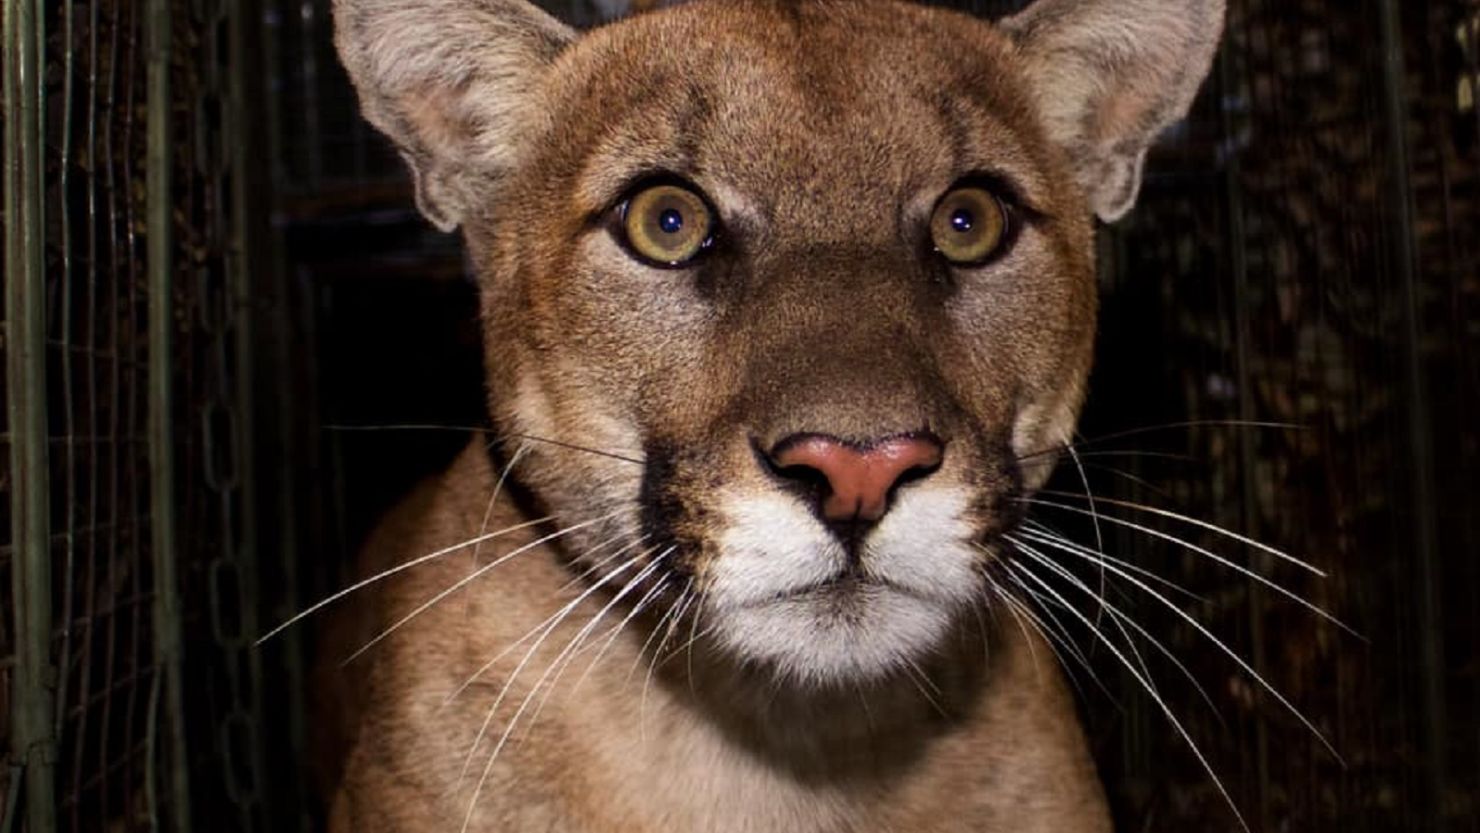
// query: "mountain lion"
[[788, 307]]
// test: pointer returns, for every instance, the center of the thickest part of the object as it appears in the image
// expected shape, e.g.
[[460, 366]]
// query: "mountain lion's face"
[[814, 278]]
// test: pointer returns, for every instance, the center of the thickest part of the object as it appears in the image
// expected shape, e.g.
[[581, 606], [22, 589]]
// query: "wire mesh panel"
[[136, 307], [91, 147], [98, 367]]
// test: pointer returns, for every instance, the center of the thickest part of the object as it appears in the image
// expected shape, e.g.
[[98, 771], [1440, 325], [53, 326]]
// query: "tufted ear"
[[1110, 75], [455, 83]]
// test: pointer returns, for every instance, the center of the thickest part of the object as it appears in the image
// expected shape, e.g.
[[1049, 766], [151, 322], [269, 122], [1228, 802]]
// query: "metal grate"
[[1305, 252], [124, 151], [98, 362]]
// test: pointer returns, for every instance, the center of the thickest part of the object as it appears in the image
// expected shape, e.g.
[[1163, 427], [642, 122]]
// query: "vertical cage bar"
[[168, 611], [33, 740], [1420, 448], [289, 457]]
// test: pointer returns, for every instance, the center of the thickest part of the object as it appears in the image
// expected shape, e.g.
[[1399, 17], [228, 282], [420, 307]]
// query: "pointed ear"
[[456, 84], [1109, 76]]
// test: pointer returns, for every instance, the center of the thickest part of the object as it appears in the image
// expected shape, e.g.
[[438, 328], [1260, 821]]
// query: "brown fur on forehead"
[[834, 123], [876, 100], [741, 91]]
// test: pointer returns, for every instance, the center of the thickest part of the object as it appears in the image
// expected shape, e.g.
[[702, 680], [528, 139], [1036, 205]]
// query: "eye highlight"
[[969, 225], [667, 224]]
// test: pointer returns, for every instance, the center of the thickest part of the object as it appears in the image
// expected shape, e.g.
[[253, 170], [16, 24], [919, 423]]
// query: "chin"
[[843, 634]]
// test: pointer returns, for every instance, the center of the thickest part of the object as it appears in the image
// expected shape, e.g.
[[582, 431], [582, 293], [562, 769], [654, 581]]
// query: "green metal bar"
[[288, 421], [33, 742], [1421, 450], [12, 797], [168, 611]]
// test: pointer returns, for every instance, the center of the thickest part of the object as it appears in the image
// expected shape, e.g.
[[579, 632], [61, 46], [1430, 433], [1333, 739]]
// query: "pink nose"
[[859, 477]]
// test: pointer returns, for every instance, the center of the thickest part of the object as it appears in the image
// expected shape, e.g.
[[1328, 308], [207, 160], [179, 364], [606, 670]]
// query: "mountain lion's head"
[[815, 279]]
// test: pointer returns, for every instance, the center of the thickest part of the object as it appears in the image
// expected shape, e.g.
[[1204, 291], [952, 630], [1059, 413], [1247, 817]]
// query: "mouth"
[[850, 585], [849, 626], [789, 594]]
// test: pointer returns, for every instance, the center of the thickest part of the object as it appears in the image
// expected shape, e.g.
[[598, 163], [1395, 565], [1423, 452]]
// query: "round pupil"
[[671, 220], [962, 220]]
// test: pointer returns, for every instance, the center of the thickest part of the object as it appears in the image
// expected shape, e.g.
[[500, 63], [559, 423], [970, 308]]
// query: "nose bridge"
[[839, 381], [839, 347], [835, 273]]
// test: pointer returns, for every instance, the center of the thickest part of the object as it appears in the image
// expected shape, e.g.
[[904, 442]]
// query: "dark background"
[[1306, 253]]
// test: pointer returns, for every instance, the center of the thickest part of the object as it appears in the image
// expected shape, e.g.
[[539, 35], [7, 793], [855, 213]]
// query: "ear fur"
[[1110, 76], [454, 83]]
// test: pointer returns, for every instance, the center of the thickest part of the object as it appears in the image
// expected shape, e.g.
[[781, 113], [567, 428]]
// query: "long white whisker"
[[611, 638], [1044, 535], [1056, 636], [603, 560], [1018, 569], [694, 636], [672, 608], [497, 437], [1124, 618], [498, 488], [981, 623], [1150, 429], [924, 685], [1121, 473], [1047, 605], [1016, 617], [1214, 556], [1022, 613], [1094, 517], [1200, 524], [384, 574], [1119, 618], [1130, 452], [573, 648], [548, 621], [470, 578], [1130, 644], [1232, 654], [689, 598], [528, 654], [557, 663]]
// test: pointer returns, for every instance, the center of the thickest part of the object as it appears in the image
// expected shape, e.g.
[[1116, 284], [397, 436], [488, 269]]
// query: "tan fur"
[[600, 759], [823, 132]]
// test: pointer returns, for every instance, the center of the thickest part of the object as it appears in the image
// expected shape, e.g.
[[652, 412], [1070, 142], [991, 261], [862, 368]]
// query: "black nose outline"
[[814, 485]]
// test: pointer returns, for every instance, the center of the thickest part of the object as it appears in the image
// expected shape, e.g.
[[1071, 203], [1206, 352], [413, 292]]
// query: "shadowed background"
[[221, 312]]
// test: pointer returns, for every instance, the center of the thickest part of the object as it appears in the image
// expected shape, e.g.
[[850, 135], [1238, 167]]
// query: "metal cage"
[[128, 533]]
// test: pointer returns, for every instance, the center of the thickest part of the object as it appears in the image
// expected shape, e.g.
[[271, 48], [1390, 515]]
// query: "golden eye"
[[969, 226], [668, 224]]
